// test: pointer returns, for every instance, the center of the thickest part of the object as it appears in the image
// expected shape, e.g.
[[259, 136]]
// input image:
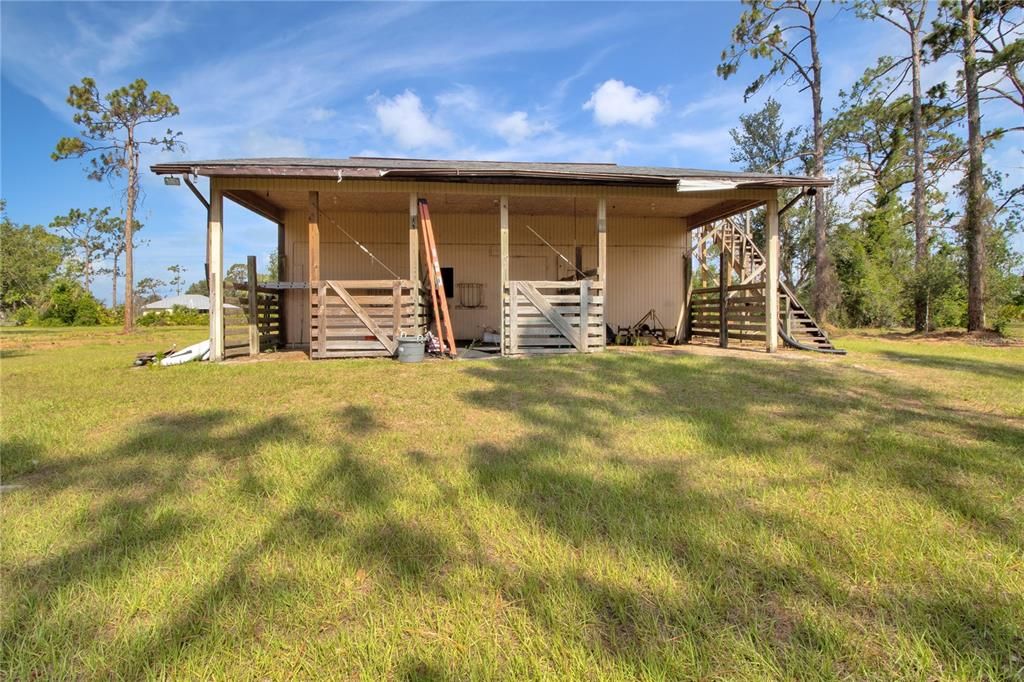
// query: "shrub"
[[67, 302], [177, 316]]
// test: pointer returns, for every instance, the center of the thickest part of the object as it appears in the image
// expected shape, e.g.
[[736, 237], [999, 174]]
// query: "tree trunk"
[[974, 226], [129, 287], [920, 211], [821, 296]]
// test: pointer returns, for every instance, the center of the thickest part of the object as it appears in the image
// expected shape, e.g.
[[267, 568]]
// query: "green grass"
[[623, 515]]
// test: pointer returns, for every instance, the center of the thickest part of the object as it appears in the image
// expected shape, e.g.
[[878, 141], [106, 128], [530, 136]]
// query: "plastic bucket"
[[410, 348]]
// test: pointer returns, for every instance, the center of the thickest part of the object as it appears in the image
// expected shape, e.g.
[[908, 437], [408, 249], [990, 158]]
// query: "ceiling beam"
[[256, 203], [720, 211]]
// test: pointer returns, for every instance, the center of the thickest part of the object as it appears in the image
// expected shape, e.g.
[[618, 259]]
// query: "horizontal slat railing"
[[569, 319], [237, 338], [386, 309]]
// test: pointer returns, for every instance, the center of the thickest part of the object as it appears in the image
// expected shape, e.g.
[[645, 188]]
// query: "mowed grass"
[[658, 515]]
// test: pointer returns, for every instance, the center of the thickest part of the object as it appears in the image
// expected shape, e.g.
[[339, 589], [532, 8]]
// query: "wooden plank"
[[537, 299], [390, 344], [584, 312]]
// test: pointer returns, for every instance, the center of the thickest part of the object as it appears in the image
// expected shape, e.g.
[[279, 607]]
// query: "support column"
[[282, 268], [414, 254], [253, 308], [723, 297], [313, 271], [683, 324], [502, 306], [602, 246], [771, 276], [215, 238]]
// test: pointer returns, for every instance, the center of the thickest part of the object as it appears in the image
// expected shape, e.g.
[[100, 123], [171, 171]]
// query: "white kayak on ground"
[[197, 351]]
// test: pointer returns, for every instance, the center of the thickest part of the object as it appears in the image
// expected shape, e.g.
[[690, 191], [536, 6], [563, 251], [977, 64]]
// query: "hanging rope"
[[557, 252], [356, 242]]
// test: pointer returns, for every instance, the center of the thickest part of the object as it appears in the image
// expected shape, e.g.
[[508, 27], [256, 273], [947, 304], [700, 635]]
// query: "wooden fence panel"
[[363, 318], [554, 317]]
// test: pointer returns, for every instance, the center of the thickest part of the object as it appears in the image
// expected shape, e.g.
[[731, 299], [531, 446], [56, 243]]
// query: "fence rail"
[[363, 318], [553, 317]]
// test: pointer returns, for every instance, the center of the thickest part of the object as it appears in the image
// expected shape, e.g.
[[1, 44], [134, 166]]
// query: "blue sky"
[[629, 83]]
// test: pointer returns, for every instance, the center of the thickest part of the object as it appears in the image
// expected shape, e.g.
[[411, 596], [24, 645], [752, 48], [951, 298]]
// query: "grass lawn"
[[663, 515]]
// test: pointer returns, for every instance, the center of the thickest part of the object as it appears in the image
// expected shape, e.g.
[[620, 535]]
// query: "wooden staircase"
[[796, 326]]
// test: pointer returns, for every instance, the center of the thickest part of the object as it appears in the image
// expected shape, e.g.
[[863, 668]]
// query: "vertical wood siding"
[[644, 259]]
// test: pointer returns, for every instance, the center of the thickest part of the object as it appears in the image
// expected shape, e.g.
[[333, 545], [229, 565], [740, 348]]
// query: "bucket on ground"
[[410, 348]]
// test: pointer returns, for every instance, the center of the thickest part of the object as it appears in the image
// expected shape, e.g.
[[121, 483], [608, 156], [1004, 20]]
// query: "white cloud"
[[320, 114], [402, 118], [615, 102], [517, 126]]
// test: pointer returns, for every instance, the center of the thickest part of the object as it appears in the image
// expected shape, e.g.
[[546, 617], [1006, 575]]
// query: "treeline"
[[918, 229], [47, 274]]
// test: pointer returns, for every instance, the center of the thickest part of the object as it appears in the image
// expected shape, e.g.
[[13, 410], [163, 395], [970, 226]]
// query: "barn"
[[539, 257]]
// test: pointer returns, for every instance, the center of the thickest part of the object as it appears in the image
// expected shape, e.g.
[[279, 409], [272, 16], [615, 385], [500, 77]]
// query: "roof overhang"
[[488, 172]]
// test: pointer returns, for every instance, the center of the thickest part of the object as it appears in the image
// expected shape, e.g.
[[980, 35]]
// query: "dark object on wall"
[[448, 277]]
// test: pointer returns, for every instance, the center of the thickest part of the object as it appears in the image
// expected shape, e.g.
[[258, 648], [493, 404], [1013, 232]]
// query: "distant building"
[[190, 301]]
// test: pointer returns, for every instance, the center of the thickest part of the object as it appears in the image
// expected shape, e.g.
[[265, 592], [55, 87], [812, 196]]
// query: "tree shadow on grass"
[[762, 411], [1010, 371], [143, 481]]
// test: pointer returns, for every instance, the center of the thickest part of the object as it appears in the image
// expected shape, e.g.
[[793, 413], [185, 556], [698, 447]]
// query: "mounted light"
[[172, 180]]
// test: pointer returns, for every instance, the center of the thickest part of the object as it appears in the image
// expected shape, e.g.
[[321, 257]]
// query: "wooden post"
[[602, 246], [771, 276], [321, 314], [513, 317], [215, 231], [503, 307], [313, 271], [723, 298], [254, 332], [585, 314], [414, 254], [282, 269], [396, 309], [787, 317], [683, 324]]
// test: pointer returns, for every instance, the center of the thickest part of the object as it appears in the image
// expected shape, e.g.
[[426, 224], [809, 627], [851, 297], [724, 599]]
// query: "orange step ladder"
[[437, 293]]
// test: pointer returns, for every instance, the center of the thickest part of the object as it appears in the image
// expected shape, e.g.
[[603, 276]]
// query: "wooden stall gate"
[[554, 317], [255, 325], [363, 318]]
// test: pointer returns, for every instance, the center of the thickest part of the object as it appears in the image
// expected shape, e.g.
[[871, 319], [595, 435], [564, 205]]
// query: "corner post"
[[313, 271], [683, 324], [414, 254], [282, 268], [505, 308], [253, 309], [602, 245], [723, 296], [771, 276], [215, 232]]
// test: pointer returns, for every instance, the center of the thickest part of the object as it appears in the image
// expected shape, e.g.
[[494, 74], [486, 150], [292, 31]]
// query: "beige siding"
[[644, 254]]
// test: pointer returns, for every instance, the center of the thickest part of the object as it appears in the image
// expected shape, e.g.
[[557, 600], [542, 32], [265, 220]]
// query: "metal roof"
[[190, 301], [478, 171]]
